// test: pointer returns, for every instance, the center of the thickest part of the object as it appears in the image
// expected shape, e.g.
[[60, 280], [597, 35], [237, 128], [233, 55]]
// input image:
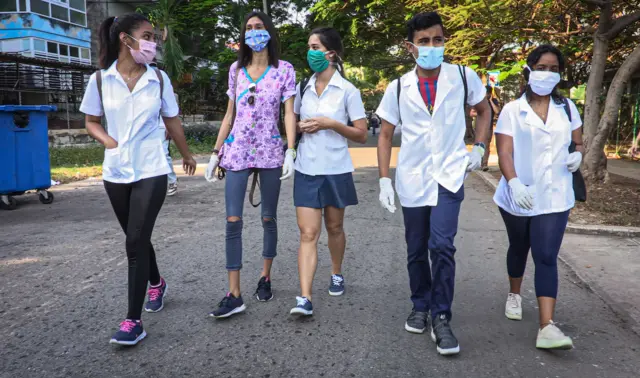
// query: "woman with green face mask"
[[324, 104]]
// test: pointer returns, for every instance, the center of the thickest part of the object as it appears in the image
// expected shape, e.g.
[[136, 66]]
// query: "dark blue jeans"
[[433, 229], [542, 234], [235, 190]]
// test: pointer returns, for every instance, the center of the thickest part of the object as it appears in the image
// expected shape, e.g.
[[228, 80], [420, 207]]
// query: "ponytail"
[[109, 35]]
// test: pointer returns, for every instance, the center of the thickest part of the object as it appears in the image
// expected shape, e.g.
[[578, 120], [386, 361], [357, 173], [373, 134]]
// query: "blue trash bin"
[[24, 153]]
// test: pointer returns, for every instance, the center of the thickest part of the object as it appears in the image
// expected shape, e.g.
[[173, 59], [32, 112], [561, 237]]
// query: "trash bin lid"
[[27, 108]]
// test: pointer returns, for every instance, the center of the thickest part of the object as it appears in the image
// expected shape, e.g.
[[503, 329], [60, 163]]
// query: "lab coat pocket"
[[111, 164], [150, 156], [409, 182]]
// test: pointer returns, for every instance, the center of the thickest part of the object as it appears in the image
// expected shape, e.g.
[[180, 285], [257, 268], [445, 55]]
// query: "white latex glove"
[[210, 172], [573, 161], [475, 158], [387, 195], [521, 194], [288, 166]]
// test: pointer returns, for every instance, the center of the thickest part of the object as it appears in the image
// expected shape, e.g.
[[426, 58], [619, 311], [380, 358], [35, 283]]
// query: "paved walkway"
[[63, 292]]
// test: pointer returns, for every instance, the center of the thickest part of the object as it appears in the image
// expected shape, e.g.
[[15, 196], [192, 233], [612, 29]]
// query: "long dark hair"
[[330, 38], [533, 59], [273, 47], [110, 30]]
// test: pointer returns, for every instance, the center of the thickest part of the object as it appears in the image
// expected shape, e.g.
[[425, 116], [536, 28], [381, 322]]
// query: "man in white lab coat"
[[428, 104]]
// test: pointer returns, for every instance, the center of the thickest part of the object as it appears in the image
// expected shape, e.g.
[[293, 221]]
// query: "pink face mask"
[[146, 52]]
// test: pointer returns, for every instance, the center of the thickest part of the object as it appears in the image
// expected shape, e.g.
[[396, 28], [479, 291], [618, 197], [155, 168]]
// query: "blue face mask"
[[256, 39], [429, 57]]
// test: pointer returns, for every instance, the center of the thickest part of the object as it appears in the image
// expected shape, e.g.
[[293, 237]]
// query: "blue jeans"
[[433, 229], [171, 177], [234, 193], [542, 234]]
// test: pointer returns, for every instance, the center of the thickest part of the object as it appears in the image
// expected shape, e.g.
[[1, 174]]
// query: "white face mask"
[[543, 82]]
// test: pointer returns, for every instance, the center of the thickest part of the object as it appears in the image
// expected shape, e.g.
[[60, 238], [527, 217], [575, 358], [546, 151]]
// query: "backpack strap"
[[463, 74], [159, 74], [398, 95], [303, 87], [566, 107], [99, 83]]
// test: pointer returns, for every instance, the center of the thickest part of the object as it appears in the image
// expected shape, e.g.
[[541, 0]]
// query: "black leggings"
[[137, 206]]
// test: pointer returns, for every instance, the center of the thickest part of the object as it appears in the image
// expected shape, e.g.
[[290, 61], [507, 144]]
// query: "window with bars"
[[51, 50]]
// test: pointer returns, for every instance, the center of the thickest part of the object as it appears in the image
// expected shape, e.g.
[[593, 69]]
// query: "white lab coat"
[[540, 153], [326, 152], [433, 150], [134, 122]]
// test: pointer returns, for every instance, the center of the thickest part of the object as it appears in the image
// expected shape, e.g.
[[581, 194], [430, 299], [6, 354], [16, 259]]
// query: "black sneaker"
[[442, 335], [129, 334], [417, 322], [229, 305], [263, 292]]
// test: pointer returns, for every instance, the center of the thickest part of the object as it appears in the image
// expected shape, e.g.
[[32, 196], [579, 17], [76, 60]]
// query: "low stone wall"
[[80, 137]]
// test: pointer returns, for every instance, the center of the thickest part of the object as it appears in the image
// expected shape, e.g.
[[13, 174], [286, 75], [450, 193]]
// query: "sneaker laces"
[[301, 301], [417, 315], [512, 301], [337, 280], [127, 325], [225, 300], [155, 293]]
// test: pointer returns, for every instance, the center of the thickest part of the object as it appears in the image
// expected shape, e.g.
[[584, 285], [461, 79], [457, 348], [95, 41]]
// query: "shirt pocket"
[[410, 182], [149, 156]]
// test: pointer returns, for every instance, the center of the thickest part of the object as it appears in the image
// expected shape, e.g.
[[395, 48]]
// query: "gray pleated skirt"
[[318, 192]]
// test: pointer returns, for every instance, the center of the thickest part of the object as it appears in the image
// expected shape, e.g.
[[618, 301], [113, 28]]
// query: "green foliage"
[[163, 16], [76, 156]]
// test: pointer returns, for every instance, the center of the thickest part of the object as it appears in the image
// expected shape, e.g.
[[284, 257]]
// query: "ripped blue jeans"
[[235, 190]]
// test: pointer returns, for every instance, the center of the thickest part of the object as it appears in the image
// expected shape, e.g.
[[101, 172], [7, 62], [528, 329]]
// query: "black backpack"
[[463, 74]]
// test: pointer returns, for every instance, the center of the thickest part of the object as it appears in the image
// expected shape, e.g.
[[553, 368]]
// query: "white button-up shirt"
[[133, 119], [540, 153], [326, 152], [433, 150]]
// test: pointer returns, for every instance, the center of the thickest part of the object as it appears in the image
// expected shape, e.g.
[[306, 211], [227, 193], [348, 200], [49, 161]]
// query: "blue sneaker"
[[304, 307], [156, 297], [229, 305], [337, 285], [130, 333]]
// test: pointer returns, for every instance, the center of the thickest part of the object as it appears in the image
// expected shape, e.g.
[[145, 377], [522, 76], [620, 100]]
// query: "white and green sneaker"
[[550, 337], [513, 308]]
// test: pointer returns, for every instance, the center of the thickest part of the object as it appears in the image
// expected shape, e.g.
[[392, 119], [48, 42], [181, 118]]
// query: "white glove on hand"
[[288, 166], [210, 173], [573, 161], [475, 158], [387, 195], [521, 194]]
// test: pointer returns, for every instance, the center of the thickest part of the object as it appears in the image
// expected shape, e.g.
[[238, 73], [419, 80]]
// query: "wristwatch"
[[481, 145], [216, 151]]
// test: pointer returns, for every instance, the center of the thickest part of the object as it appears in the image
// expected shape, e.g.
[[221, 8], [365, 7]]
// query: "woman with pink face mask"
[[132, 96]]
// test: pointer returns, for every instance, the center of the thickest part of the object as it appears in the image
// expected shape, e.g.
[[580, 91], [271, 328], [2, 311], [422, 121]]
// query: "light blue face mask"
[[429, 57]]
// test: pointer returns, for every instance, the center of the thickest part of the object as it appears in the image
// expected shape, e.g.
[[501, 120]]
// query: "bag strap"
[[303, 87], [254, 183], [566, 108], [99, 83], [463, 74]]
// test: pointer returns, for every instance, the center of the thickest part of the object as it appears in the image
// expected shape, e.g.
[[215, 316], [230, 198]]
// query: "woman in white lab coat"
[[535, 194], [323, 178]]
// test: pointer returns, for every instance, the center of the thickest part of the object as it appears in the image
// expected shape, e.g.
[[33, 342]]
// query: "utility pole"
[[265, 7]]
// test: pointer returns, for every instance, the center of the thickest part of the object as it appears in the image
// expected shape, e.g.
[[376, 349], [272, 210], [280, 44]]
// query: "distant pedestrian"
[[494, 107], [323, 180], [249, 142], [535, 194], [127, 91], [428, 104]]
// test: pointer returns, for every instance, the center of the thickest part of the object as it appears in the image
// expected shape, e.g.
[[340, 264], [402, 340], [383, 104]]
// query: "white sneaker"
[[513, 308], [172, 188], [550, 337]]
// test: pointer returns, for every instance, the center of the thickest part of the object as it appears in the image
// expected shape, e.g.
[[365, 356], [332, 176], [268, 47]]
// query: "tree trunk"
[[594, 88], [595, 161]]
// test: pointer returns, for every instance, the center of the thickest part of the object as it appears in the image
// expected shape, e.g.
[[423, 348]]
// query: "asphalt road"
[[63, 293]]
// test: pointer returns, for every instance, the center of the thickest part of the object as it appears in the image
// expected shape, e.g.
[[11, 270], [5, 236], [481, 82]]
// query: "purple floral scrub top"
[[254, 140]]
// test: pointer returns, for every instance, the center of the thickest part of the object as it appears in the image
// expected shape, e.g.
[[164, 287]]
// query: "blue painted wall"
[[19, 25]]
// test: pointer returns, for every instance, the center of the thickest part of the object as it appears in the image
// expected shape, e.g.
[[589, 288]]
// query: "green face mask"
[[317, 60]]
